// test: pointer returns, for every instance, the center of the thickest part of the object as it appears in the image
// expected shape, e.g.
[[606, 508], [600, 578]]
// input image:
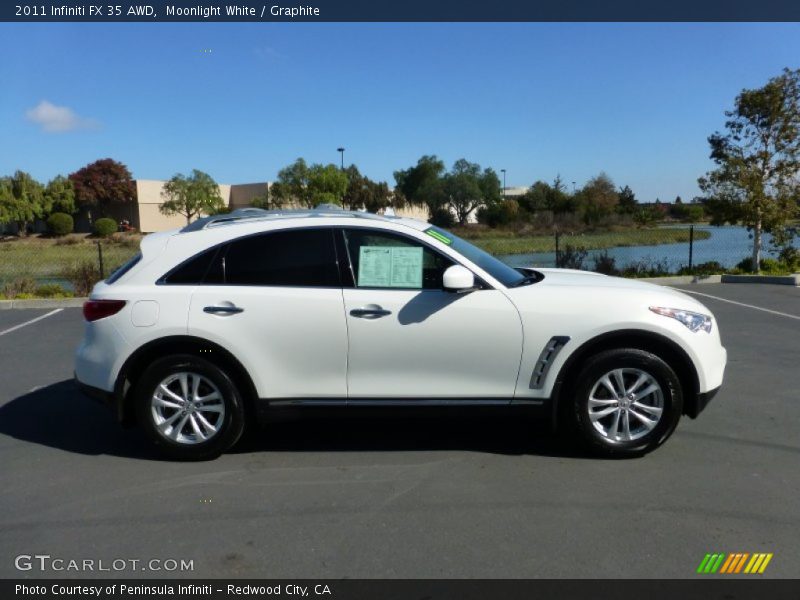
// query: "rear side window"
[[195, 270], [303, 257]]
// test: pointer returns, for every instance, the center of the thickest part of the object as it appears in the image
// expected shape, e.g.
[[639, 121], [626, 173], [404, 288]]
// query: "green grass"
[[43, 260], [505, 242]]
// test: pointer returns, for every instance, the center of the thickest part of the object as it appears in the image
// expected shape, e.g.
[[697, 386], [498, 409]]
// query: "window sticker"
[[438, 236], [390, 266]]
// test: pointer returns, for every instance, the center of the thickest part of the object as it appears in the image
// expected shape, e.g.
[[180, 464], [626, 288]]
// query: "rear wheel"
[[625, 402], [189, 407]]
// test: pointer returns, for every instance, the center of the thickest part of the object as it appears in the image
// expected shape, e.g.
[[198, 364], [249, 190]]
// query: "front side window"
[[506, 275], [381, 259]]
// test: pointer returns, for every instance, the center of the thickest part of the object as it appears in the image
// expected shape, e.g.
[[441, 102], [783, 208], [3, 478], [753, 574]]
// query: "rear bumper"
[[701, 400], [100, 395]]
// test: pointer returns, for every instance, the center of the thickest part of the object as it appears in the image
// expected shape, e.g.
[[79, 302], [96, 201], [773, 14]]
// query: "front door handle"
[[222, 310], [371, 311]]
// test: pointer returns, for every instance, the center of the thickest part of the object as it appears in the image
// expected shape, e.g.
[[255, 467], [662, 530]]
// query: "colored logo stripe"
[[735, 563], [439, 236]]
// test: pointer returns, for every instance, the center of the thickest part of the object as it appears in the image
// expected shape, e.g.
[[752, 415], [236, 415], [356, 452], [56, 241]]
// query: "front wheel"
[[626, 402], [189, 407]]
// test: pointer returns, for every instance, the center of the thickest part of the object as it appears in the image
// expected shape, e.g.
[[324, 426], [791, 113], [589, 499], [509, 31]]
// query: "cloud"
[[57, 119]]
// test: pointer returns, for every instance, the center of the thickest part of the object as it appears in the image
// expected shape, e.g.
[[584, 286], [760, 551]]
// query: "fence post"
[[557, 236], [100, 260], [691, 245]]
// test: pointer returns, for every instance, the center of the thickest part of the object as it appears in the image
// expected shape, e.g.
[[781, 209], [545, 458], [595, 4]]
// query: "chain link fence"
[[61, 267], [51, 267]]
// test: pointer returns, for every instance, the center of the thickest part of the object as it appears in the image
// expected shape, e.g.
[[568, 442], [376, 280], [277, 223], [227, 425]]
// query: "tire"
[[651, 408], [204, 427]]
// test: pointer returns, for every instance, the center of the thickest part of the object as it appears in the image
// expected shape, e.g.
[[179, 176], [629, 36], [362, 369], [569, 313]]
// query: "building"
[[145, 215]]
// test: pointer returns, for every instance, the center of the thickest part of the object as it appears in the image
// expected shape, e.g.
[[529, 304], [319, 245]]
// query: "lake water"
[[727, 245]]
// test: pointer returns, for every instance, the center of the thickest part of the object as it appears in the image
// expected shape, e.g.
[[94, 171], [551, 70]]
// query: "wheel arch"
[[138, 361], [663, 347]]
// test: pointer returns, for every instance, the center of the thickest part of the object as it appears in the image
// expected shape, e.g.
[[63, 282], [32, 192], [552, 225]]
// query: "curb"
[[43, 303], [682, 279], [774, 279]]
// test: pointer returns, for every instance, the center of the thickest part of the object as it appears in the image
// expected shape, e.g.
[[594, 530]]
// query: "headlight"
[[694, 321]]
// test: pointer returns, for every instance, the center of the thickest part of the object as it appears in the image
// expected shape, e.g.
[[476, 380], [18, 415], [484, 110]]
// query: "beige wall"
[[149, 198], [242, 194]]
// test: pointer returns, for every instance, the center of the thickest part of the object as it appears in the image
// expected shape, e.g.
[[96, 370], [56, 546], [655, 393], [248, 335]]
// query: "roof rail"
[[245, 214], [235, 215]]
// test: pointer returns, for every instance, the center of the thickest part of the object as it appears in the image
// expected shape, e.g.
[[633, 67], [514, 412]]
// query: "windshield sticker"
[[389, 266]]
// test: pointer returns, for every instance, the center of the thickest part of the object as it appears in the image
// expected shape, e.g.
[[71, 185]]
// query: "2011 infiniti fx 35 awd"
[[234, 316]]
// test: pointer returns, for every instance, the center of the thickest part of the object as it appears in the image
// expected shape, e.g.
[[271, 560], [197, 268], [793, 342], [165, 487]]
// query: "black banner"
[[406, 589], [105, 11]]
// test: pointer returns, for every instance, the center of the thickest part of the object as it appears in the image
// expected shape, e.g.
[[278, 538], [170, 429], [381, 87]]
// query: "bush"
[[572, 258], [605, 264], [52, 290], [105, 227], [790, 256], [745, 265], [442, 217], [499, 213], [711, 267], [82, 276], [19, 286], [60, 224], [72, 240], [646, 268]]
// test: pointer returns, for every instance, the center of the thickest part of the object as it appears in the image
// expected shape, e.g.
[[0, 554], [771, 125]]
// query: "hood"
[[603, 285]]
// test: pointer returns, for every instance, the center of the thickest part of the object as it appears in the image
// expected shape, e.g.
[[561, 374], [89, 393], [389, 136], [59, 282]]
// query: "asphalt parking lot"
[[457, 497]]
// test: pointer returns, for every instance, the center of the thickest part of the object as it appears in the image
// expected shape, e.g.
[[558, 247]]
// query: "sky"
[[240, 101]]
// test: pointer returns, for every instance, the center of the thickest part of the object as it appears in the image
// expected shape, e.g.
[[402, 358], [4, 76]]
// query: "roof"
[[249, 215]]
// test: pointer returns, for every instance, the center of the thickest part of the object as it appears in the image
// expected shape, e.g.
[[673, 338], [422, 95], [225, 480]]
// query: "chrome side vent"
[[546, 358]]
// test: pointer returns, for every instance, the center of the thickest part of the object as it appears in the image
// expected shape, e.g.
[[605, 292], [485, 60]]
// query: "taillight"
[[100, 309]]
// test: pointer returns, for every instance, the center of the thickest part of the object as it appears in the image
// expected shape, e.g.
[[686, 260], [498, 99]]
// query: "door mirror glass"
[[458, 279]]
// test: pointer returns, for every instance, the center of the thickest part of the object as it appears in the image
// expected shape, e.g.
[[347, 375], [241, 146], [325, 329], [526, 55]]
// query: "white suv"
[[224, 321]]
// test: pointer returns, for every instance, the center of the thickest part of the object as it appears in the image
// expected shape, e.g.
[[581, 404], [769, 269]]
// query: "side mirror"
[[458, 279]]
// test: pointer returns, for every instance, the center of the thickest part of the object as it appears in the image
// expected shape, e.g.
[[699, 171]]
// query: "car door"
[[275, 300], [410, 339]]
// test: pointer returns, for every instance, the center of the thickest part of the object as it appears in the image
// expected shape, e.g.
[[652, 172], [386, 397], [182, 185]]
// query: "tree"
[[310, 185], [466, 188], [362, 192], [421, 185], [22, 200], [60, 195], [291, 184], [544, 196], [327, 184], [100, 183], [626, 201], [758, 161], [190, 196], [598, 198]]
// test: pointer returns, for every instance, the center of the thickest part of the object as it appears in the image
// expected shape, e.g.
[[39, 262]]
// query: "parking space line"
[[26, 323], [767, 310]]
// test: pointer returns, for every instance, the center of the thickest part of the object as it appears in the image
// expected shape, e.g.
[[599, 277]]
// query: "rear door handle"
[[223, 310], [371, 311]]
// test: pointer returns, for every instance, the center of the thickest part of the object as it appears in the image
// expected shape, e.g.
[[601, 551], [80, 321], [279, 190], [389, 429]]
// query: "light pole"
[[341, 151], [503, 171]]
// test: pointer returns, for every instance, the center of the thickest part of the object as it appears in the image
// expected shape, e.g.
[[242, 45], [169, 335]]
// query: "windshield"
[[506, 275]]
